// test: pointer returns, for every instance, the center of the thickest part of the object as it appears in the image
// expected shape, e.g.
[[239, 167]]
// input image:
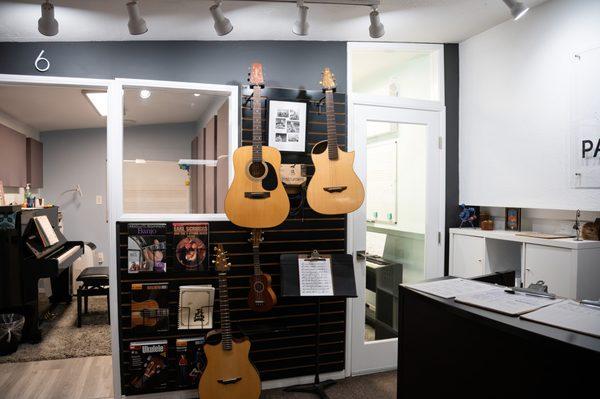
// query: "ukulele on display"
[[334, 188], [261, 297], [229, 374], [256, 198]]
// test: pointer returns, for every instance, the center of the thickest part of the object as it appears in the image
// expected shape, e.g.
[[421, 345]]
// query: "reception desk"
[[447, 349]]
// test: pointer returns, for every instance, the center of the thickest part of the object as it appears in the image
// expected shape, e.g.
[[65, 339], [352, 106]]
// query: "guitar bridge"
[[229, 381], [335, 189], [257, 195]]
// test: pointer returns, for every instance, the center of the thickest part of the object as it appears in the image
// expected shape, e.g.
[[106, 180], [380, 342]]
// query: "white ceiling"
[[46, 108], [438, 21]]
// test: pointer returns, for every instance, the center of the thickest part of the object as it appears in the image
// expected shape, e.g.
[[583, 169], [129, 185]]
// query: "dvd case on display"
[[150, 307], [147, 247], [190, 243], [191, 361], [148, 365]]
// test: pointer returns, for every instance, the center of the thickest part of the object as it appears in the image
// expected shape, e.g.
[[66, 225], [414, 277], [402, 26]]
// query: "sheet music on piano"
[[315, 277], [45, 230]]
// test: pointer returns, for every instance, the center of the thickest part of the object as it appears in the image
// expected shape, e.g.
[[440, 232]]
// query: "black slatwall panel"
[[286, 346]]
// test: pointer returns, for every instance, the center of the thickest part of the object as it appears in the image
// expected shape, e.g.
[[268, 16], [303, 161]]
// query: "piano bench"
[[94, 282]]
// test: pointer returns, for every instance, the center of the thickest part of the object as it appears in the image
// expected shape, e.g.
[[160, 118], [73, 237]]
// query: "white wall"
[[514, 108]]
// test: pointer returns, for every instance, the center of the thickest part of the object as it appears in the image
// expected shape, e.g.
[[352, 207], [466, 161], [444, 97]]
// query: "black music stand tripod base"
[[318, 387]]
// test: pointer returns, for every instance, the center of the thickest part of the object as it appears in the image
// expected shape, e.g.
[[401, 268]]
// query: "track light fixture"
[[136, 24], [222, 25], [301, 25], [376, 29], [47, 24], [517, 9]]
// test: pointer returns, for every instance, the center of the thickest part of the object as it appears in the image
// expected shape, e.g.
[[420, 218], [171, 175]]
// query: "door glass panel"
[[395, 206], [397, 73], [175, 151]]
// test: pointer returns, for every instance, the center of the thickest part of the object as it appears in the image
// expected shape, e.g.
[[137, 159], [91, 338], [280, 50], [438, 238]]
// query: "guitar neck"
[[256, 254], [226, 339], [332, 146], [256, 125]]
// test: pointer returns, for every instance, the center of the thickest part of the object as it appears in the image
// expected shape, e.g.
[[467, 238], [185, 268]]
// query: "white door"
[[399, 158]]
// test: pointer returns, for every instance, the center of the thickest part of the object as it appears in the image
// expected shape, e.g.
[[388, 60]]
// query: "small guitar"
[[334, 188], [261, 297], [146, 313], [229, 373], [256, 198]]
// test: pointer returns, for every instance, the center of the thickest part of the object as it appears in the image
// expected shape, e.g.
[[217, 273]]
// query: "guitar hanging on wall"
[[261, 297], [256, 198], [229, 373], [334, 188]]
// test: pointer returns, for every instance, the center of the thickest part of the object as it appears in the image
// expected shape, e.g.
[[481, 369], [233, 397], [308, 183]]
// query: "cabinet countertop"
[[512, 236]]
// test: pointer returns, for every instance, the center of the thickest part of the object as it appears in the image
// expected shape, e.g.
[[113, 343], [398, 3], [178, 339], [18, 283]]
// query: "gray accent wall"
[[295, 64]]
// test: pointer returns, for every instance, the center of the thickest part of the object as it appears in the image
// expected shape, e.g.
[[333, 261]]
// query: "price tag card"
[[315, 277]]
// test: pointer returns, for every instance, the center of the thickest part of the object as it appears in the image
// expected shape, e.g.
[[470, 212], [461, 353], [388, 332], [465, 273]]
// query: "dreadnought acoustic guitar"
[[256, 198], [229, 374], [334, 188], [261, 297]]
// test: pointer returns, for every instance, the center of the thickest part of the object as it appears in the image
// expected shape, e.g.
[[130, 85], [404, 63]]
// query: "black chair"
[[94, 282]]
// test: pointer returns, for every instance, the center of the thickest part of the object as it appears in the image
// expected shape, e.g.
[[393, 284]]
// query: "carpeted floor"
[[61, 339], [372, 386]]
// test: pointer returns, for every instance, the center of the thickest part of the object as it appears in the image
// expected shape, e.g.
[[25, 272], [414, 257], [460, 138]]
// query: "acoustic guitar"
[[261, 297], [334, 188], [229, 374], [146, 313], [256, 198]]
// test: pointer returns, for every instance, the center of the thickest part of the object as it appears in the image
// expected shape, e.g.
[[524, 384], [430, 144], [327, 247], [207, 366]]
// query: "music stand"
[[344, 286]]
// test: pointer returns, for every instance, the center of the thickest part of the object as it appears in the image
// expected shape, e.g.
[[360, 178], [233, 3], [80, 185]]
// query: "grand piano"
[[24, 260]]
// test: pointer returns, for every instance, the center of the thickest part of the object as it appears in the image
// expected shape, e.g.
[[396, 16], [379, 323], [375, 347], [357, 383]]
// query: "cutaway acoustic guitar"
[[229, 374], [256, 197], [334, 188]]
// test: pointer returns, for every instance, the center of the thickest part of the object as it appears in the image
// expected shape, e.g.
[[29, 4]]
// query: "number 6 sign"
[[41, 63]]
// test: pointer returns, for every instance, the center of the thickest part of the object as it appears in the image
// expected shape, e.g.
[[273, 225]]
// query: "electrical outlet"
[[100, 257], [98, 200]]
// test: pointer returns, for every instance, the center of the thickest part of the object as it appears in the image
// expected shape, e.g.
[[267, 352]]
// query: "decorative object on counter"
[[467, 215], [591, 231], [287, 125], [577, 226], [486, 221], [513, 219]]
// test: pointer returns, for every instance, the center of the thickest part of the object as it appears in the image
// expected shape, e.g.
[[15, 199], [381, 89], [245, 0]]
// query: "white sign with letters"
[[315, 277], [585, 120]]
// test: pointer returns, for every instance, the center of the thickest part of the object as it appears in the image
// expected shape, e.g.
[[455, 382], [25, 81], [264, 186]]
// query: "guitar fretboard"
[[256, 126], [332, 146], [226, 339], [256, 254]]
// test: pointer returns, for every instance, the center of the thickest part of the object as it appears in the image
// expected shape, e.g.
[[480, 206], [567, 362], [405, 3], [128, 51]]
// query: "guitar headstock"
[[221, 262], [256, 237], [255, 76], [327, 80]]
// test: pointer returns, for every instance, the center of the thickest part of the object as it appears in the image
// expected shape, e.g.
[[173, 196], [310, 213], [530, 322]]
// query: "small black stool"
[[94, 282]]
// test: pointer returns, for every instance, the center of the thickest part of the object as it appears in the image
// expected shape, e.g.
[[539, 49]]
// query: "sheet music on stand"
[[315, 277], [569, 315]]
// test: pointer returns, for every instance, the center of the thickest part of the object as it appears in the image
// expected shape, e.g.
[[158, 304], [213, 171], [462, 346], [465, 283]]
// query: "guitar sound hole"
[[259, 287], [257, 169]]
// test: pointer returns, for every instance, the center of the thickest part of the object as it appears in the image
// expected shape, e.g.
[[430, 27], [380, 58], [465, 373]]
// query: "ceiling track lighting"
[[517, 9], [301, 26], [137, 24], [376, 29], [47, 24], [222, 25]]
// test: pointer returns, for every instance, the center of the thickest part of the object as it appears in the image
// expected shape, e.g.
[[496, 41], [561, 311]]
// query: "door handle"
[[361, 255]]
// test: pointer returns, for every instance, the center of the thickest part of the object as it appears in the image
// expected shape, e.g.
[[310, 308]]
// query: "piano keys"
[[27, 260]]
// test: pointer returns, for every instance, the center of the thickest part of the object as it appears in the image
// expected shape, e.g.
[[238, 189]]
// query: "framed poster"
[[287, 125]]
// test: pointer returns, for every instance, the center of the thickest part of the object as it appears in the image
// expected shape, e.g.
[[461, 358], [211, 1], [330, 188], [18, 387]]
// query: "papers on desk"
[[450, 288], [498, 300], [569, 315]]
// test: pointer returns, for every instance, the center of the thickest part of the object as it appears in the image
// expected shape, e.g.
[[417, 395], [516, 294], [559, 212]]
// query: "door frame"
[[398, 103]]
